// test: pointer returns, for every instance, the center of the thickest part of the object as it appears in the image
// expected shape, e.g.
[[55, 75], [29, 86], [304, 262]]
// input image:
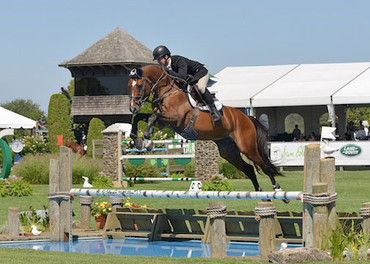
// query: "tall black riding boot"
[[208, 98]]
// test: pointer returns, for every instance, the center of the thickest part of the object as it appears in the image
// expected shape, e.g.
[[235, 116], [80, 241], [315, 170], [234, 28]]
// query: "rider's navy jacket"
[[182, 66]]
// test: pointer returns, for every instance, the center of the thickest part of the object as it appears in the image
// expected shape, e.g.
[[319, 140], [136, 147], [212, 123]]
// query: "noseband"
[[142, 98]]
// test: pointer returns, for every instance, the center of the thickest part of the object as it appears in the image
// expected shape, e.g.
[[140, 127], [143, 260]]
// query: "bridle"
[[142, 98]]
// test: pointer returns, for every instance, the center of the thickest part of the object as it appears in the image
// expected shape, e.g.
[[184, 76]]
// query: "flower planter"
[[100, 221]]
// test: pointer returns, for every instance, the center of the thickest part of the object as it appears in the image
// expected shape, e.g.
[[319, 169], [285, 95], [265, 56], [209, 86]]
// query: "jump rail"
[[156, 179], [190, 194], [173, 141], [164, 156]]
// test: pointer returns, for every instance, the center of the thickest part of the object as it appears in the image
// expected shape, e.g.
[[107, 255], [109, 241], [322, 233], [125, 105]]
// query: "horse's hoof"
[[286, 201], [138, 143]]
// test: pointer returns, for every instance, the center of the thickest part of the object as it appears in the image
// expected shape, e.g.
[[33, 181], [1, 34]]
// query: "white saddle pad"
[[193, 103]]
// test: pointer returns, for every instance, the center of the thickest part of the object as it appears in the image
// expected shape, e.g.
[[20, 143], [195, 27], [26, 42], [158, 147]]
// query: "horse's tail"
[[262, 136]]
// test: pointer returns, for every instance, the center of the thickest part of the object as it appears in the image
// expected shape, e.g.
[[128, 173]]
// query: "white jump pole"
[[190, 194], [168, 141], [156, 179], [162, 156]]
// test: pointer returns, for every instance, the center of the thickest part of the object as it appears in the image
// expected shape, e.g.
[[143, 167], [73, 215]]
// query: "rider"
[[179, 66]]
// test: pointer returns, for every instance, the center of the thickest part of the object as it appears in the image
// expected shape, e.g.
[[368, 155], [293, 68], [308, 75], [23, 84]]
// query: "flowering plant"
[[127, 203], [100, 209]]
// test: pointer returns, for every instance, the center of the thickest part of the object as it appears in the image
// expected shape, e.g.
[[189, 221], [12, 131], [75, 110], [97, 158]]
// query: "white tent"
[[355, 92], [293, 85], [307, 89], [9, 119], [235, 86], [309, 84]]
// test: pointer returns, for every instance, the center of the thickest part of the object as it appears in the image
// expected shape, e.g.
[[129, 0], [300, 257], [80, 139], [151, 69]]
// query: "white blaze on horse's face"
[[133, 107]]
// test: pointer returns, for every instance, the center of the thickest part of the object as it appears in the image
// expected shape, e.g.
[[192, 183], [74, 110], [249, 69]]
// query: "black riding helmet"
[[160, 51]]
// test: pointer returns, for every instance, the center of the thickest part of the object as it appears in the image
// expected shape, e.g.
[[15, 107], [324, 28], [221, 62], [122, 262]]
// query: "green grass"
[[352, 188], [28, 256]]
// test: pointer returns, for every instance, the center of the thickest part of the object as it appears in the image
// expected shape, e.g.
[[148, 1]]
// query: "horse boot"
[[208, 98]]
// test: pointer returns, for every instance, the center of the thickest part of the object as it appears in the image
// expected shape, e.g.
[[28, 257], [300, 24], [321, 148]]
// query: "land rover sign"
[[350, 150]]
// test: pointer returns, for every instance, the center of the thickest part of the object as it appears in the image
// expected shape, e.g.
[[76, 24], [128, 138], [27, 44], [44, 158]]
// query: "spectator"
[[65, 92], [361, 134], [41, 124], [296, 133], [312, 137], [350, 132]]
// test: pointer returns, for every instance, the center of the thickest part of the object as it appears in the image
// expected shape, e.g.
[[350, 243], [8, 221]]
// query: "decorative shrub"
[[230, 171], [96, 126], [102, 182], [35, 168], [3, 189], [34, 145], [144, 170], [19, 188], [190, 169], [217, 184], [59, 120]]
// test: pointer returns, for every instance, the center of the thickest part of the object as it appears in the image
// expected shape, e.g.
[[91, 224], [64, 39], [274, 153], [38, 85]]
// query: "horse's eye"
[[139, 86]]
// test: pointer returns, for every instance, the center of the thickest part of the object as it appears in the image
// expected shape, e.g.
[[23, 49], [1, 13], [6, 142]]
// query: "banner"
[[350, 153]]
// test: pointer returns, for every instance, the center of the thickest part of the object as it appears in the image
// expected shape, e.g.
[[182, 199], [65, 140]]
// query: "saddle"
[[194, 96]]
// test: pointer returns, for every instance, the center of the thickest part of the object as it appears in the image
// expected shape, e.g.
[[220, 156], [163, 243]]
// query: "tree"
[[96, 126], [24, 107], [71, 88], [357, 114], [59, 120]]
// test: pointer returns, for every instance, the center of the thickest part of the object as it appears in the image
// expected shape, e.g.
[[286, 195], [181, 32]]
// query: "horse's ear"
[[136, 73]]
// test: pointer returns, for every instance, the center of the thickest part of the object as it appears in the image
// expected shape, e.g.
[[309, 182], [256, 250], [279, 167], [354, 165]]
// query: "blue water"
[[138, 247]]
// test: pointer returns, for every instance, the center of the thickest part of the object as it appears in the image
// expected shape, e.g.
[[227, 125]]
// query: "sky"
[[37, 35]]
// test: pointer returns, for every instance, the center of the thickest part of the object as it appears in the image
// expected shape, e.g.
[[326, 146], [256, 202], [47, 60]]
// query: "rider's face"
[[161, 61]]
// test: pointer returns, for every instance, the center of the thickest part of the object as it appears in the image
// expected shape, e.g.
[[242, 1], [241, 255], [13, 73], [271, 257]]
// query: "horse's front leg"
[[149, 131], [139, 117]]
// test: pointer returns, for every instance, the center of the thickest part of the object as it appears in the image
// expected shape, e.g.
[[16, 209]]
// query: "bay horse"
[[77, 148], [236, 133]]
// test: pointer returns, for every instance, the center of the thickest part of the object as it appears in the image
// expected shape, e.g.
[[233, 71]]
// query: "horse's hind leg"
[[230, 152]]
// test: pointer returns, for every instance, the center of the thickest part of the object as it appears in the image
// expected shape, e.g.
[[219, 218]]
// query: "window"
[[102, 85]]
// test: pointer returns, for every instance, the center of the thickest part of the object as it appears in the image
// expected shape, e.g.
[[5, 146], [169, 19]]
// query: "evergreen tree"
[[96, 126], [59, 120]]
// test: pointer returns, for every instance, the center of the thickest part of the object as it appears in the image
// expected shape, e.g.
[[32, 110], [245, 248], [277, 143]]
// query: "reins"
[[153, 90]]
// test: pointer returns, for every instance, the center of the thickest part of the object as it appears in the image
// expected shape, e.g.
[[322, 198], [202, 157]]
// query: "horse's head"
[[139, 89], [69, 143], [143, 82]]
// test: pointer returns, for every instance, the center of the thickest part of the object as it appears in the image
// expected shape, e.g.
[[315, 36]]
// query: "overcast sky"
[[37, 35]]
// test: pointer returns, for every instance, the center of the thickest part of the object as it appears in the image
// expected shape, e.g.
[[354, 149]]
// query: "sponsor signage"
[[350, 150], [348, 153]]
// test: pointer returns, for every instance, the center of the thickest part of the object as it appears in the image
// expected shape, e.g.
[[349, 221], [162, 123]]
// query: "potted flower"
[[100, 212]]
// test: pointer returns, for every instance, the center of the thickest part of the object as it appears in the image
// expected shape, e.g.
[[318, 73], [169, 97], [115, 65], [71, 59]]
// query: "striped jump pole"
[[161, 156], [190, 194], [156, 179], [169, 141]]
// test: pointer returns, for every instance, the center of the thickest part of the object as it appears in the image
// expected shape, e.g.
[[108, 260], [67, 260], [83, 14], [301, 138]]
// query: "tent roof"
[[9, 119], [292, 85], [236, 85], [356, 92]]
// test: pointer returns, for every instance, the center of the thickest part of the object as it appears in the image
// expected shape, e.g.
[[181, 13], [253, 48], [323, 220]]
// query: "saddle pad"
[[205, 108]]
